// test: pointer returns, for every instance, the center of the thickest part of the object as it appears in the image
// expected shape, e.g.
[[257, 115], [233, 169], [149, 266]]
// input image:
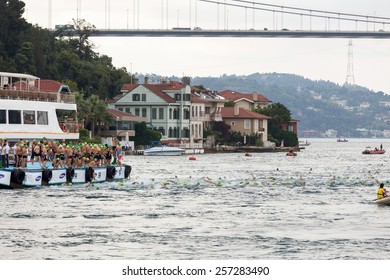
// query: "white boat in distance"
[[161, 150], [303, 143]]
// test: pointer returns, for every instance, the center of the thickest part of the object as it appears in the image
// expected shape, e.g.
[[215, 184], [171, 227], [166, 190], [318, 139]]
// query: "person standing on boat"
[[2, 158], [381, 147], [6, 149], [381, 193]]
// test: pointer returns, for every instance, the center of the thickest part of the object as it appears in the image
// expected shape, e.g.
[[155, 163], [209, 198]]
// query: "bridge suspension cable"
[[312, 13]]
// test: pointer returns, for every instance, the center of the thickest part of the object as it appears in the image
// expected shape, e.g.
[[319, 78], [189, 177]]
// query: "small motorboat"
[[383, 201], [302, 143], [342, 140], [291, 154], [161, 150], [376, 151]]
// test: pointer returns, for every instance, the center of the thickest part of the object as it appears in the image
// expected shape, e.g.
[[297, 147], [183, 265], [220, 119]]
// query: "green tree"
[[280, 115], [24, 59], [144, 135]]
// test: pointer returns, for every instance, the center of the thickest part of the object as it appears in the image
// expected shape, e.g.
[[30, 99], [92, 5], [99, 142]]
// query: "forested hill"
[[318, 105], [25, 48]]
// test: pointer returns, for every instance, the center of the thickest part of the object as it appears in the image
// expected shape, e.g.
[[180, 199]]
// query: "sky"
[[316, 59]]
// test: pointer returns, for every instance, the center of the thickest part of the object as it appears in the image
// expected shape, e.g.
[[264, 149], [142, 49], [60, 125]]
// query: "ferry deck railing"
[[57, 97]]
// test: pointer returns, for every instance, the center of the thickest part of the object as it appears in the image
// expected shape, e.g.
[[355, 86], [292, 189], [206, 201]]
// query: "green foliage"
[[55, 55], [230, 103], [277, 111], [144, 135], [83, 134], [290, 138]]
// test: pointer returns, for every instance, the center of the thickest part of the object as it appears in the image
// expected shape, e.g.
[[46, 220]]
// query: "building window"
[[14, 117], [161, 113], [162, 130], [144, 97], [137, 112], [176, 114], [170, 113], [136, 97], [120, 109], [144, 112], [186, 114], [128, 110], [42, 118], [177, 96], [247, 124], [3, 116], [233, 123], [154, 113]]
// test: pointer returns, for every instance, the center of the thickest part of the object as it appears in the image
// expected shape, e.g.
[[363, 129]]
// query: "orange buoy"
[[192, 158]]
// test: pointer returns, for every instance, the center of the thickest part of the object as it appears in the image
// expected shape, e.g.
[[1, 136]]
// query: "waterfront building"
[[165, 106], [247, 122], [248, 101]]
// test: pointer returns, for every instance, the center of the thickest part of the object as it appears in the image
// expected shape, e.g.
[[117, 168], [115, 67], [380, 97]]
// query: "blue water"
[[317, 205]]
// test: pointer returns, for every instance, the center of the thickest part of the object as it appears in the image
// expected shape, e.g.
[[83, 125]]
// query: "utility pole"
[[350, 80]]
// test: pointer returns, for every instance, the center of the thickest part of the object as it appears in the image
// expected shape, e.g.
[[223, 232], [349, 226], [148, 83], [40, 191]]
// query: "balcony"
[[37, 96]]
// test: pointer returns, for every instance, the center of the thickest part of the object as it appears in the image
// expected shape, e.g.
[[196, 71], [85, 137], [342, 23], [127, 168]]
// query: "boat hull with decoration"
[[35, 177]]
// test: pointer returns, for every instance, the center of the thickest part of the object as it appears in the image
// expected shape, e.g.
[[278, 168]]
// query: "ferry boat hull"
[[19, 178]]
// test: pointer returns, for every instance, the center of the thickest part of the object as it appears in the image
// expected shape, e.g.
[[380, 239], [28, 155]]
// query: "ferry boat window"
[[3, 116], [29, 117], [15, 117], [42, 118]]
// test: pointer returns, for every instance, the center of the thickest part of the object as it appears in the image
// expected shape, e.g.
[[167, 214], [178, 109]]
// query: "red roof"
[[228, 113], [129, 87], [117, 113], [44, 85], [157, 89], [233, 95]]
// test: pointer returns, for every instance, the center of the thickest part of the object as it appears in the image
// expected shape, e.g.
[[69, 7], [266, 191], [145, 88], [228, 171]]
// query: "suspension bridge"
[[304, 22]]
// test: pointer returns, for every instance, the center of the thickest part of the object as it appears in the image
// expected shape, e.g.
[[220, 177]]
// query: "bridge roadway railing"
[[380, 34]]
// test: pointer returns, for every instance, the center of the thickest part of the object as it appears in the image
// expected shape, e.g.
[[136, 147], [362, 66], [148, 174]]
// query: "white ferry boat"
[[31, 108]]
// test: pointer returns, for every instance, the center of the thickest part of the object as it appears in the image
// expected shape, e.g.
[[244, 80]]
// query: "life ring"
[[89, 174], [47, 174], [111, 172], [17, 176], [69, 174], [63, 127], [127, 171]]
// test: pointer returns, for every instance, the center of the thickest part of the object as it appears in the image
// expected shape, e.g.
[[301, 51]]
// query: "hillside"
[[352, 111]]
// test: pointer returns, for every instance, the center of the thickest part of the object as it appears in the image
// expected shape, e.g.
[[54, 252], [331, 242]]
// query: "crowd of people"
[[61, 153]]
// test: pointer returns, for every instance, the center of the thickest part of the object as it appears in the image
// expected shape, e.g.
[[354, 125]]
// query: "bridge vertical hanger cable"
[[50, 15], [167, 13], [196, 13], [133, 14], [190, 13]]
